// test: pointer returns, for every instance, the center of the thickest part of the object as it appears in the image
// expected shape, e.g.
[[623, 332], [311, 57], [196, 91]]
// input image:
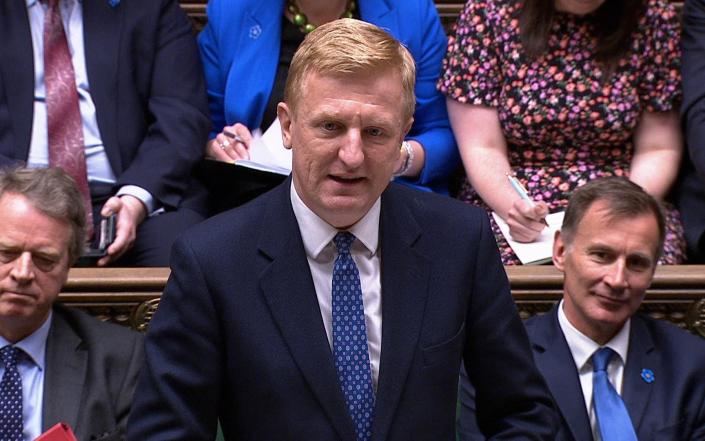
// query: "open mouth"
[[346, 180]]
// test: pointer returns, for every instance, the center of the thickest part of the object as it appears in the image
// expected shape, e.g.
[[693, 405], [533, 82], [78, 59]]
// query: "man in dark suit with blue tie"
[[112, 91], [338, 306], [614, 374]]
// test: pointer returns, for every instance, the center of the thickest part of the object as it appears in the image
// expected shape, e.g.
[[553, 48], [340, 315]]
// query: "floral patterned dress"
[[563, 123]]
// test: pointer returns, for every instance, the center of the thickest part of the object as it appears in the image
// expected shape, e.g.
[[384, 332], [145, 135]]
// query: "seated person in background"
[[653, 386], [247, 46], [559, 93], [690, 195], [296, 333], [59, 364], [112, 91]]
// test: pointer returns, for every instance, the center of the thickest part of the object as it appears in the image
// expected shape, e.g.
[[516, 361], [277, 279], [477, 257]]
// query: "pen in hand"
[[234, 136], [521, 191]]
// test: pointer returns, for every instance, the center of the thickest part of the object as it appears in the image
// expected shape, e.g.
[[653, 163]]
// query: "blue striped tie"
[[612, 416], [352, 358]]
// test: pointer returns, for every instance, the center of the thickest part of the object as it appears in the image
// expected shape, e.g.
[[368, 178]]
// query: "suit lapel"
[[404, 276], [101, 39], [290, 294], [642, 355], [66, 364], [555, 361], [17, 71], [259, 34]]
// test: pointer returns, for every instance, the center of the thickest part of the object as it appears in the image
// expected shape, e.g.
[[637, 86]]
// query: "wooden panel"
[[130, 296], [119, 295]]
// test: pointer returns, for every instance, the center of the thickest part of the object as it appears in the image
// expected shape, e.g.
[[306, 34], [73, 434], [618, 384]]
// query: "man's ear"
[[285, 115], [559, 250], [407, 128]]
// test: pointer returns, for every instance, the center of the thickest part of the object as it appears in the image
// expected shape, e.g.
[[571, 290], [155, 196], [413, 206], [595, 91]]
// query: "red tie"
[[64, 126]]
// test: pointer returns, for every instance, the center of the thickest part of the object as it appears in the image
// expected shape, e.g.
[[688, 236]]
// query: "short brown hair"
[[53, 192], [624, 199], [348, 46]]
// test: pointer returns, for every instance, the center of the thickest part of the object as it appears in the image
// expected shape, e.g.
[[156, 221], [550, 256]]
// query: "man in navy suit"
[[261, 325], [608, 247], [143, 110]]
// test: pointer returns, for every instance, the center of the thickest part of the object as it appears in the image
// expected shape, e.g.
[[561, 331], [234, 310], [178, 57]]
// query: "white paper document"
[[539, 251], [267, 152]]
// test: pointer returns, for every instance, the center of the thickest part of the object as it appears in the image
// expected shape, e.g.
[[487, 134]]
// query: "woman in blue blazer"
[[241, 50]]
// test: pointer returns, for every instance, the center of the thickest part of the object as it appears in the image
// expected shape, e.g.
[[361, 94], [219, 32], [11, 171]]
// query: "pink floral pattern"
[[564, 124]]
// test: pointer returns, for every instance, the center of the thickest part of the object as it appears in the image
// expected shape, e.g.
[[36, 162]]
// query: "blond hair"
[[348, 46]]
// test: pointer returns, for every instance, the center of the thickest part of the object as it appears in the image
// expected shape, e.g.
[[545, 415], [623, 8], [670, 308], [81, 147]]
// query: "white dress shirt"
[[318, 236], [582, 348], [31, 368], [98, 167]]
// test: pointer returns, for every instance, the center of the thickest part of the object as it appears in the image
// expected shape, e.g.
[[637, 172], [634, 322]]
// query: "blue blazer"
[[240, 52], [672, 407], [146, 82], [239, 336]]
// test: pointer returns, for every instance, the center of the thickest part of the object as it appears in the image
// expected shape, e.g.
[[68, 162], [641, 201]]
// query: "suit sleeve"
[[177, 112], [178, 390], [512, 399], [431, 127], [694, 81], [467, 412]]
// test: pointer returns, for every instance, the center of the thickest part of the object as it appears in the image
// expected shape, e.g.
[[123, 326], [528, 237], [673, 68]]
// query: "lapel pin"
[[647, 375], [255, 32], [113, 3]]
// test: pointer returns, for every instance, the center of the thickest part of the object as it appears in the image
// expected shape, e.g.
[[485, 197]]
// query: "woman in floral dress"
[[588, 89]]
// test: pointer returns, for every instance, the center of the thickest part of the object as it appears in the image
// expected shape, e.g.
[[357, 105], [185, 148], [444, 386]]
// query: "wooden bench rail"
[[130, 296], [127, 296]]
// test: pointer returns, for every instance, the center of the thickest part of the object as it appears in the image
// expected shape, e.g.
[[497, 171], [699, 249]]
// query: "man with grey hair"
[[614, 374], [338, 306], [56, 364]]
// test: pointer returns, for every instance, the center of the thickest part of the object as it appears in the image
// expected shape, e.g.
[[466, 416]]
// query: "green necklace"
[[300, 19]]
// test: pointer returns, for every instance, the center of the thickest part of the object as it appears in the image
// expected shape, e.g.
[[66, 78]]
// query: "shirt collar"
[[582, 347], [318, 234], [31, 3], [34, 345]]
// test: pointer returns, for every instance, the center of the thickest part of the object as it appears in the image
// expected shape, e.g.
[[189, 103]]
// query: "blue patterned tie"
[[10, 396], [352, 358], [612, 416]]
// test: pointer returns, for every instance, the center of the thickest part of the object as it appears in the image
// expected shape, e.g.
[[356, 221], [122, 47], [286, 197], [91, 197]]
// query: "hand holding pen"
[[230, 144], [526, 218]]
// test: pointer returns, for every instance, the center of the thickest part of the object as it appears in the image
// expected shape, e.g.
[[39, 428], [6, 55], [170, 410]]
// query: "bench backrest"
[[130, 296]]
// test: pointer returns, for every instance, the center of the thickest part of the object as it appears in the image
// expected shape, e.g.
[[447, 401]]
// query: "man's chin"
[[344, 212], [19, 305], [610, 318]]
